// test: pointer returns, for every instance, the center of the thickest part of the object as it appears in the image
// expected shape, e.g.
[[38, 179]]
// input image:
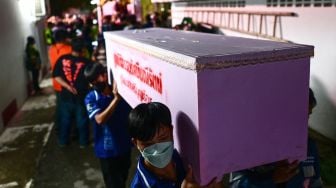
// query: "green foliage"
[[147, 8]]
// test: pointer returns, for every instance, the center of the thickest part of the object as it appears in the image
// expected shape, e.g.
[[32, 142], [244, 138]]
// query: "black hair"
[[131, 19], [60, 35], [50, 24], [148, 18], [30, 40], [93, 70], [312, 99], [77, 45], [146, 118], [107, 18]]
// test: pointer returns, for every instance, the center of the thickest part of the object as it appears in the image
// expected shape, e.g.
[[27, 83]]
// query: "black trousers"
[[35, 78], [115, 170]]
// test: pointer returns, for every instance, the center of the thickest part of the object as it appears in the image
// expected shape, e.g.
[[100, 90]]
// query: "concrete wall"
[[17, 22], [314, 26]]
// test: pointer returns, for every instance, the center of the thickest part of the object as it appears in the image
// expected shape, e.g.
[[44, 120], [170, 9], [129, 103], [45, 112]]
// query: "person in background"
[[60, 48], [108, 113], [57, 50], [48, 34], [107, 23], [305, 174], [156, 19], [148, 22], [166, 22], [99, 54], [159, 165], [33, 63], [87, 35], [69, 73], [131, 23], [310, 168]]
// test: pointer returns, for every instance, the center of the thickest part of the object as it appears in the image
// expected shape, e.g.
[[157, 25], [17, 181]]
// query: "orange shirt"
[[56, 51]]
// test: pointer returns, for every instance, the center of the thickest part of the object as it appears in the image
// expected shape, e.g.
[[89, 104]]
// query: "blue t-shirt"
[[146, 179], [111, 138]]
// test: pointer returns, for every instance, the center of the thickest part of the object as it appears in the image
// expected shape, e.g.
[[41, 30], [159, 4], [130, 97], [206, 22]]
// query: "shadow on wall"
[[189, 142], [323, 118]]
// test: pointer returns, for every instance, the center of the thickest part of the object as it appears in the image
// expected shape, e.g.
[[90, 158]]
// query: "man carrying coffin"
[[108, 113], [159, 165]]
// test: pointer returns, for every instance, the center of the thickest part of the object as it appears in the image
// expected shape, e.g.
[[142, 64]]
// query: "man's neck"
[[76, 54], [60, 43], [107, 90], [167, 173]]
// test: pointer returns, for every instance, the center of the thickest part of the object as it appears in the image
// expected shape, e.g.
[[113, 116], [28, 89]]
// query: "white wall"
[[317, 27], [314, 26], [16, 24]]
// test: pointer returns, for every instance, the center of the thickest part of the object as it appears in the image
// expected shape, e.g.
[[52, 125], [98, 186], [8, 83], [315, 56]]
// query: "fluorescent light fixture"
[[94, 2]]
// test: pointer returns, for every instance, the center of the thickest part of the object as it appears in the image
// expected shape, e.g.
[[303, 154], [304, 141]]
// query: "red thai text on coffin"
[[144, 74], [140, 93]]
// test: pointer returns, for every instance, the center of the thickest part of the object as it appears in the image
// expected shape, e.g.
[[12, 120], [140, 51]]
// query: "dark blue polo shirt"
[[111, 138], [146, 179]]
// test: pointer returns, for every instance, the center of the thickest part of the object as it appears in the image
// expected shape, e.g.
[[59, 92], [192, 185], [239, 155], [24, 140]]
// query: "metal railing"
[[258, 23]]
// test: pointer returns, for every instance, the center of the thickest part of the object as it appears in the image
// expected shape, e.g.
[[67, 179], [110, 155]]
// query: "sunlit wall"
[[17, 22]]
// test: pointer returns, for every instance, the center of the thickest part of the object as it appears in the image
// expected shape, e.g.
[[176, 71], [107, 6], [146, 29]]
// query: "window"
[[317, 3], [275, 3], [233, 3], [213, 3], [241, 3], [298, 3], [327, 3], [40, 8], [307, 3]]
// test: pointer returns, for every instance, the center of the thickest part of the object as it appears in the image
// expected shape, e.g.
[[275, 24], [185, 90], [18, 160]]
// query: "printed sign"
[[139, 78]]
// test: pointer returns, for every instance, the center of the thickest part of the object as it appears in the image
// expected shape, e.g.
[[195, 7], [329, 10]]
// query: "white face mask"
[[159, 154]]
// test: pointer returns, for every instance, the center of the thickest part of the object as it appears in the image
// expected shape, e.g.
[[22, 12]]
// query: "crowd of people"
[[83, 93]]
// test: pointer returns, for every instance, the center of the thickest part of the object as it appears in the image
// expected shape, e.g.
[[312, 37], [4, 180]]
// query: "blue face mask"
[[159, 154]]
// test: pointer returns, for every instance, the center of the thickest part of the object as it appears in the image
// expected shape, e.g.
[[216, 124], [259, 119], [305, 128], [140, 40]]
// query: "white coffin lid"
[[197, 51]]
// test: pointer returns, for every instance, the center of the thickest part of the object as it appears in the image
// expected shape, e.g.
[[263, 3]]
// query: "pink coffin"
[[235, 102]]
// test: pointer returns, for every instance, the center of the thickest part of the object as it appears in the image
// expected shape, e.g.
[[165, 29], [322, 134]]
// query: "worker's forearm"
[[62, 82], [106, 114]]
